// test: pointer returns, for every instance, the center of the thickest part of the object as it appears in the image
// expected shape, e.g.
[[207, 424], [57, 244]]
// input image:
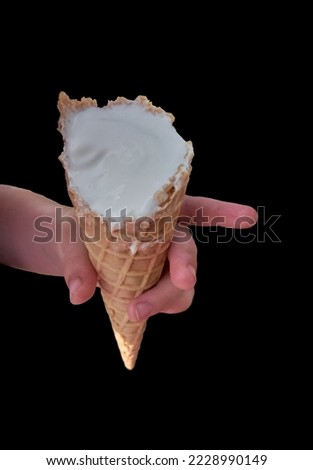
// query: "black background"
[[218, 375]]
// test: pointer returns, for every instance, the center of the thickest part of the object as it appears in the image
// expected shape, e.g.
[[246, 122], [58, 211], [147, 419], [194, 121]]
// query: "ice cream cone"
[[129, 259]]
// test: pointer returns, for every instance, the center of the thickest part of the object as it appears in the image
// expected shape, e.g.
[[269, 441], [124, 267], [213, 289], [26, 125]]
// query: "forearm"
[[21, 244]]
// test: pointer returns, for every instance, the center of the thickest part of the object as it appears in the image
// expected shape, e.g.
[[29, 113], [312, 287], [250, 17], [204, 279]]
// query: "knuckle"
[[183, 302]]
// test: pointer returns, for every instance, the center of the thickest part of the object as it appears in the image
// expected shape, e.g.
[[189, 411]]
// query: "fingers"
[[182, 257], [79, 273], [175, 290], [205, 211], [164, 297]]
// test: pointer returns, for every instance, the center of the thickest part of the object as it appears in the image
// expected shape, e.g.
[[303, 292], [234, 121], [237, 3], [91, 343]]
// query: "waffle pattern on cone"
[[127, 267]]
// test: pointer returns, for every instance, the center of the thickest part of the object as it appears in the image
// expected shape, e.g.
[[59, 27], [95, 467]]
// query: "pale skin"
[[173, 293]]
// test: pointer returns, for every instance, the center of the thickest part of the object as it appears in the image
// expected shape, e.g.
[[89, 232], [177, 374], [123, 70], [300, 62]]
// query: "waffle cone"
[[129, 259]]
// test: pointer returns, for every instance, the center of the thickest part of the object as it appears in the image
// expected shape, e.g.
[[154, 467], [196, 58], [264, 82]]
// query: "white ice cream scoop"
[[119, 157]]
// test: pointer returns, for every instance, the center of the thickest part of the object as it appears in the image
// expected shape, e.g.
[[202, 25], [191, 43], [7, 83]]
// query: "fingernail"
[[143, 311], [192, 271], [74, 285]]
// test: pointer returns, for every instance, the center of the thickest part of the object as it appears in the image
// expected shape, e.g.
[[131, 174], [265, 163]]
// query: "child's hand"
[[174, 292]]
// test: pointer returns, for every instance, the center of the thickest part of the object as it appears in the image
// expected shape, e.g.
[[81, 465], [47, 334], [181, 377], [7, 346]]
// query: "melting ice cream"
[[118, 157]]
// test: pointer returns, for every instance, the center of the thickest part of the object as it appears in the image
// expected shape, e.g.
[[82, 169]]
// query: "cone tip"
[[129, 362]]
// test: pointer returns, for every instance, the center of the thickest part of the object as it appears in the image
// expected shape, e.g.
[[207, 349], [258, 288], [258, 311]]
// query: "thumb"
[[79, 274]]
